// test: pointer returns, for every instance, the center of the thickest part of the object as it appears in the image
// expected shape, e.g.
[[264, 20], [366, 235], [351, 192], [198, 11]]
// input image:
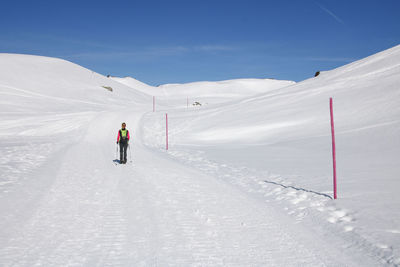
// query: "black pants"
[[123, 146]]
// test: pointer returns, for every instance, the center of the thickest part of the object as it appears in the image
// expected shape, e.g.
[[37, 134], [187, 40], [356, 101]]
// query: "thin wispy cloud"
[[214, 48], [61, 40], [331, 59], [137, 54], [150, 52], [329, 12]]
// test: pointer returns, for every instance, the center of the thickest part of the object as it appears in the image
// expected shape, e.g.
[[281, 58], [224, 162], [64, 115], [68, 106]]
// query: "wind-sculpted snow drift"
[[246, 182]]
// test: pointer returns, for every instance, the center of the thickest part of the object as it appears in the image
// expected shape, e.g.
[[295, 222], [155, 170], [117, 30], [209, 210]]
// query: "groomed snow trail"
[[154, 212]]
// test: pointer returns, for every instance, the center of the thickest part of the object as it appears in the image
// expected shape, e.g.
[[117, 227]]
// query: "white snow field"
[[205, 93], [246, 180]]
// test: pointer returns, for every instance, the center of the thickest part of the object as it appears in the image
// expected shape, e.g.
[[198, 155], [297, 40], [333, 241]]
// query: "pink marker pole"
[[333, 150], [166, 129], [154, 103]]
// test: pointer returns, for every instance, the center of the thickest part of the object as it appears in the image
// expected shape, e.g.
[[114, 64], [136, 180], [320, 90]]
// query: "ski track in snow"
[[302, 205], [157, 212]]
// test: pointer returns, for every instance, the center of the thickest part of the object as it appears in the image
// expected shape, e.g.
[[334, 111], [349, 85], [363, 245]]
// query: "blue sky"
[[181, 41]]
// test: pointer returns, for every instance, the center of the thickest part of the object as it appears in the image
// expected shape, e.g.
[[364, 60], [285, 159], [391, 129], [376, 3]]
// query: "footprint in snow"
[[339, 216], [348, 228], [393, 231]]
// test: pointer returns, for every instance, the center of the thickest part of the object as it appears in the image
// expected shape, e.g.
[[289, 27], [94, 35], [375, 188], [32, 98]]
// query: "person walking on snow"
[[123, 140]]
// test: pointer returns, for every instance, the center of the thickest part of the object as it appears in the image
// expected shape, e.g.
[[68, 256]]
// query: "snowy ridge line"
[[204, 92]]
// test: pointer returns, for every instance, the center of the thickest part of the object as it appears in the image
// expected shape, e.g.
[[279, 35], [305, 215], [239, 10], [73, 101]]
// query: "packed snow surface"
[[247, 179]]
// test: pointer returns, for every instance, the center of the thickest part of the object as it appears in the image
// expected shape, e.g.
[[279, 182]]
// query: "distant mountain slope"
[[136, 84], [30, 83], [229, 89], [366, 94]]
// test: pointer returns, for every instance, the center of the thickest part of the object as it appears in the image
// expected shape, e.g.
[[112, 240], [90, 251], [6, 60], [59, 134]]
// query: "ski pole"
[[130, 153], [116, 151]]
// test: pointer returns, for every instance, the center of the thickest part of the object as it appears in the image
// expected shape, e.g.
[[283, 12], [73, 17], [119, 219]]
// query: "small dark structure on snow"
[[109, 88]]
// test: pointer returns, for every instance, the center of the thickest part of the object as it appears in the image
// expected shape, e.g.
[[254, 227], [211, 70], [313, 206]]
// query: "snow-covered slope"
[[35, 83], [230, 88], [136, 84], [245, 183], [206, 92], [42, 94], [283, 137]]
